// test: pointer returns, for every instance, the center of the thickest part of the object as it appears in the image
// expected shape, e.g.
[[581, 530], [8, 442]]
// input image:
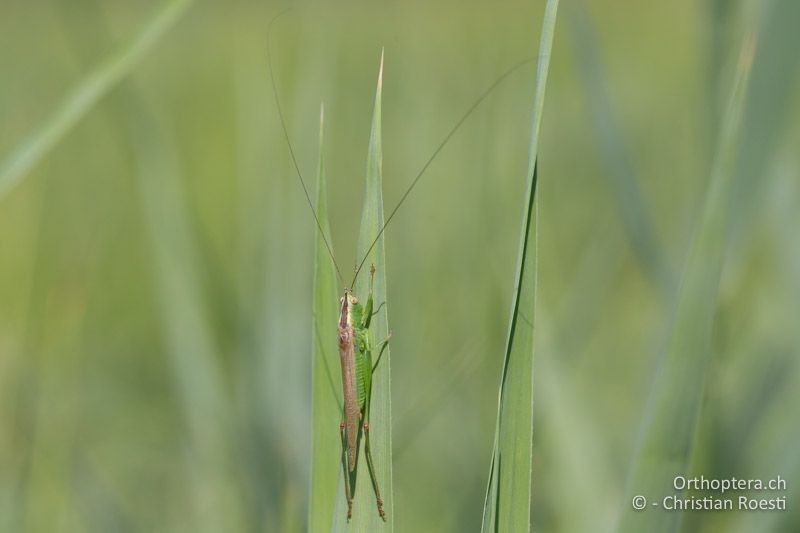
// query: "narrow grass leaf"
[[670, 417], [508, 495], [365, 514], [85, 96], [186, 324], [631, 203], [326, 445], [774, 88]]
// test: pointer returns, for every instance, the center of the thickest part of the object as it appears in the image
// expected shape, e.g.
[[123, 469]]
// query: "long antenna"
[[289, 144], [447, 138]]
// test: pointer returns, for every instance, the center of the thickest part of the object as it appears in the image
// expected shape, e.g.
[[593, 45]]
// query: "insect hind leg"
[[346, 473], [373, 477]]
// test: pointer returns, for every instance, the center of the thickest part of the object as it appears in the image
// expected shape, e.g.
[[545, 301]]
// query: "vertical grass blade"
[[775, 74], [187, 333], [85, 95], [508, 495], [365, 515], [326, 445], [670, 418]]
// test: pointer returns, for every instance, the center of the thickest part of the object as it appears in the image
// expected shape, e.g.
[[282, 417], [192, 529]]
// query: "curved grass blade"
[[326, 386], [85, 95], [508, 495], [365, 515], [670, 418]]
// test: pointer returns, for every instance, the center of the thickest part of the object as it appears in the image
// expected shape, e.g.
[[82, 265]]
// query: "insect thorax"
[[356, 313]]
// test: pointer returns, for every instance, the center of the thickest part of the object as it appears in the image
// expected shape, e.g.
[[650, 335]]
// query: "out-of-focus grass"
[[631, 206], [188, 336], [91, 88], [92, 422], [670, 417]]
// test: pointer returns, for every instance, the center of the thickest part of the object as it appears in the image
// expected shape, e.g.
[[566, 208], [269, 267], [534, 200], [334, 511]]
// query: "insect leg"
[[346, 473], [378, 310], [371, 468], [368, 307], [384, 345]]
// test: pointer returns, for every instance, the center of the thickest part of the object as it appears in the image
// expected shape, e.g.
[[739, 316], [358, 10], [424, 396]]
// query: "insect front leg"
[[368, 306], [346, 473]]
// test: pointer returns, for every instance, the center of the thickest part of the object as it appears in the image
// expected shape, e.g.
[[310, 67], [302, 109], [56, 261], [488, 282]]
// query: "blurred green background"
[[156, 265]]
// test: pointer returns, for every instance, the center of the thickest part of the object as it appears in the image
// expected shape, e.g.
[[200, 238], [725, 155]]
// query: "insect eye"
[[354, 300]]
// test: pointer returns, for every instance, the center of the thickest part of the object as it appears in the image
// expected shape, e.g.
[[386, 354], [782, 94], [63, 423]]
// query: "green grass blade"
[[773, 87], [508, 495], [85, 95], [630, 201], [326, 445], [188, 340], [670, 418], [365, 514]]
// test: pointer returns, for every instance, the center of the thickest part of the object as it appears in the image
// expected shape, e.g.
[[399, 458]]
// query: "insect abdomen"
[[361, 380], [349, 359]]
